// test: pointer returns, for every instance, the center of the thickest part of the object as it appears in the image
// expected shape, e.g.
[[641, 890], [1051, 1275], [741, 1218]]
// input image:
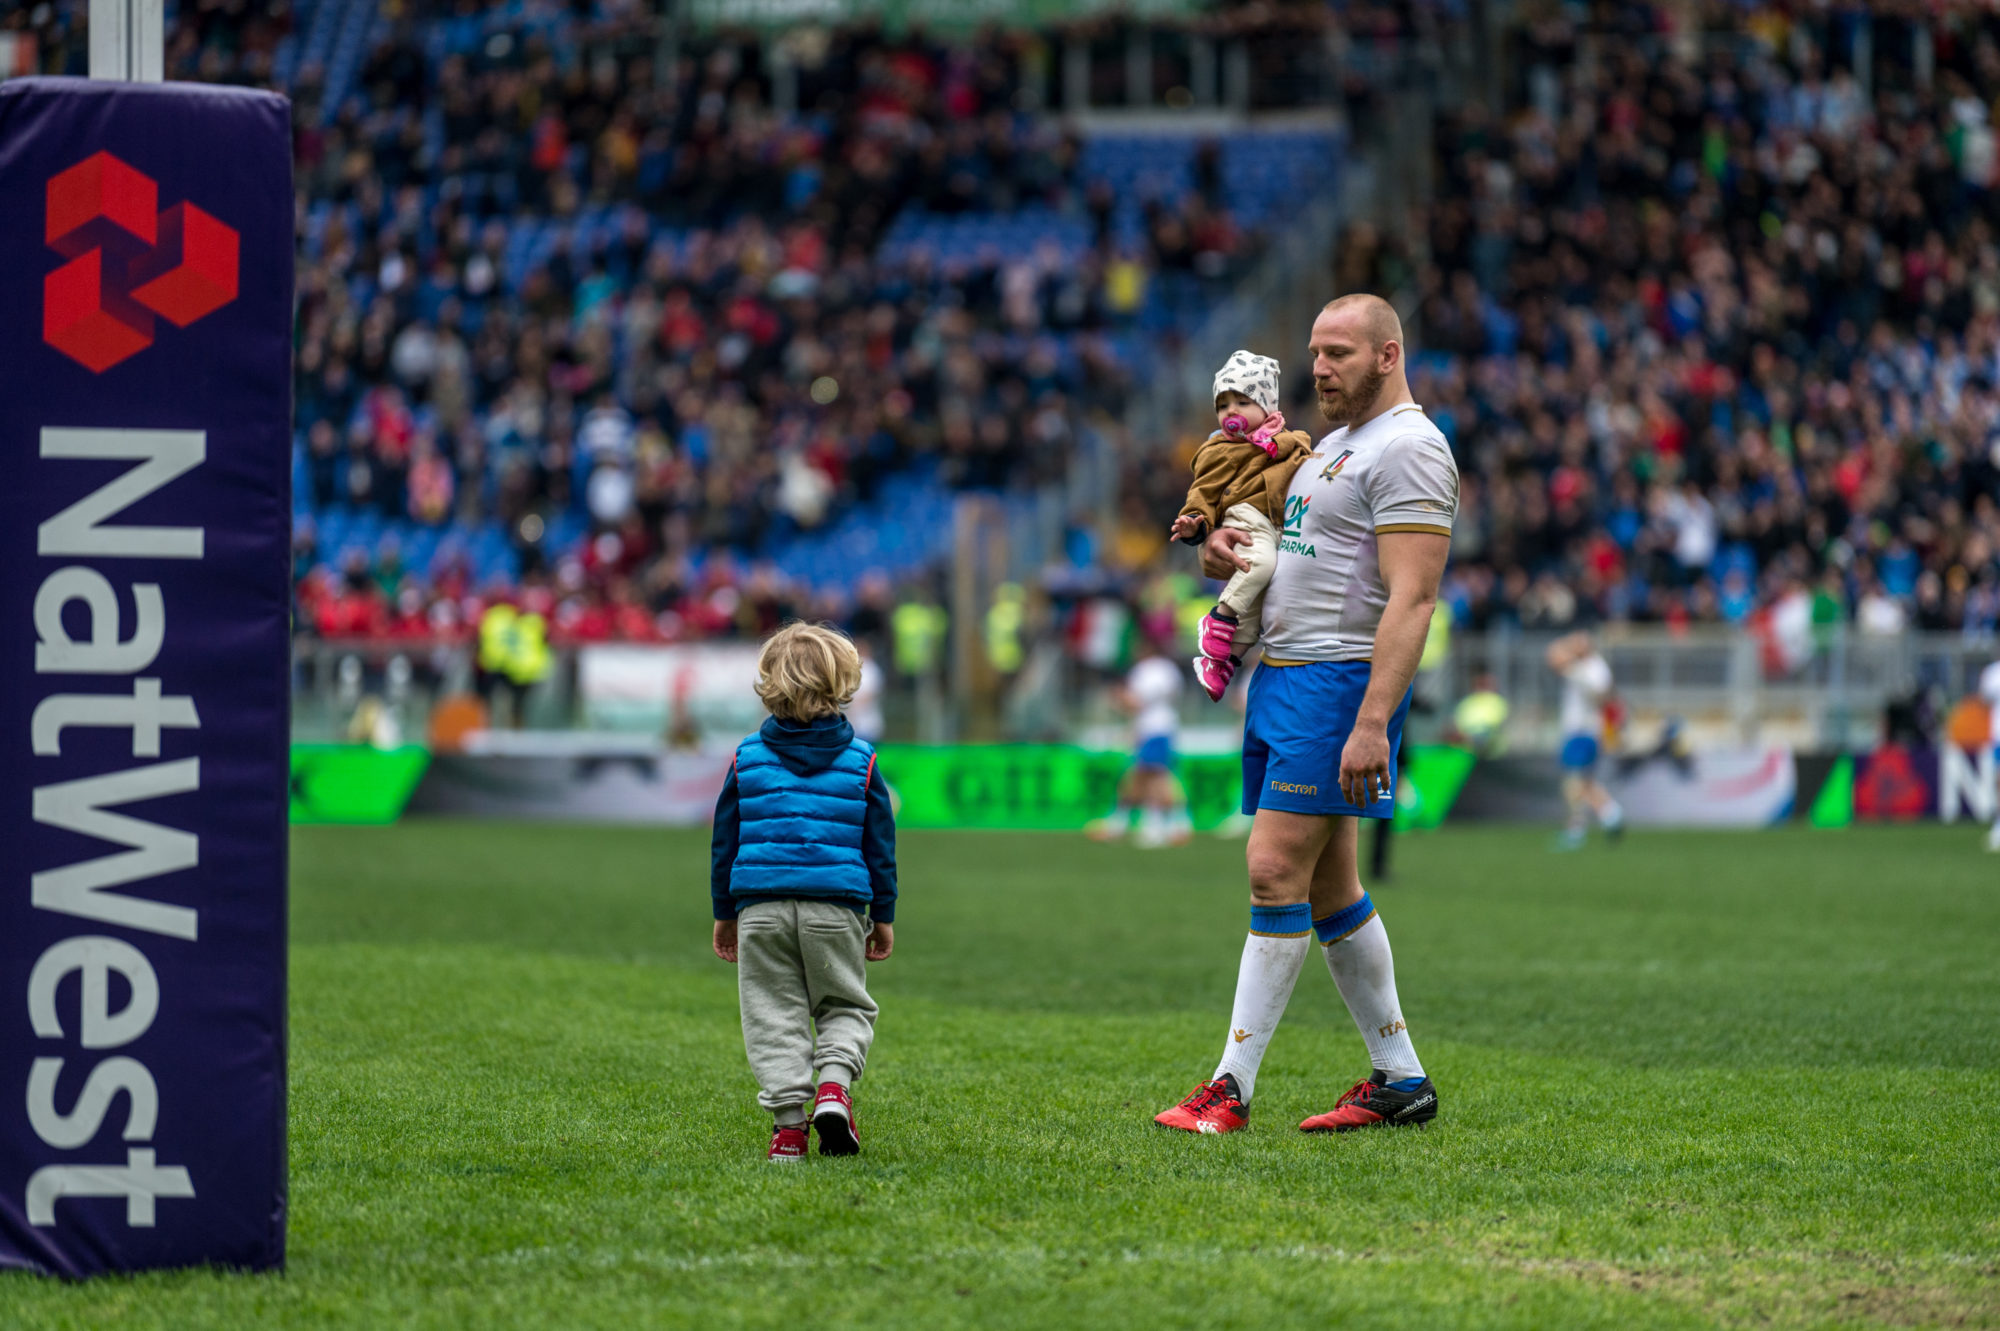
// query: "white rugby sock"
[[1273, 955], [1357, 955]]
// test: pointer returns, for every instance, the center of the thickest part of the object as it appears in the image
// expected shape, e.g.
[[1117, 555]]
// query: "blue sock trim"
[[1342, 923], [1282, 921], [1406, 1084]]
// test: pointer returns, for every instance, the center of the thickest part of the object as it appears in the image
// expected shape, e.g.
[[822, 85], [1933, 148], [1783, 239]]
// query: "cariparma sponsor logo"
[[1295, 513], [1289, 541]]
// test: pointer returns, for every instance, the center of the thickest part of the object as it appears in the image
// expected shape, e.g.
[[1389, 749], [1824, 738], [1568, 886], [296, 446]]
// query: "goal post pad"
[[145, 526]]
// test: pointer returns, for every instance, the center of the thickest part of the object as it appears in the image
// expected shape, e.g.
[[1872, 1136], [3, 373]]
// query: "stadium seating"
[[1759, 365], [396, 250], [1709, 331]]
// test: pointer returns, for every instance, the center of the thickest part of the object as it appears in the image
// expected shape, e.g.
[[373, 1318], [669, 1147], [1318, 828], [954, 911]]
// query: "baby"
[[1241, 474]]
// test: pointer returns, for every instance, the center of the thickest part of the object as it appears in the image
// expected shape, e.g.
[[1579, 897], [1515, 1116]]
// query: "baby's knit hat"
[[1254, 376]]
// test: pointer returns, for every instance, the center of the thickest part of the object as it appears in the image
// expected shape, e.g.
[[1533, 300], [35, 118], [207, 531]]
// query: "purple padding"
[[145, 515]]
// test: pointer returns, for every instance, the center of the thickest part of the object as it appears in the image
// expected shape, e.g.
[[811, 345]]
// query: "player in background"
[[865, 712], [1149, 789], [1989, 693], [1586, 678]]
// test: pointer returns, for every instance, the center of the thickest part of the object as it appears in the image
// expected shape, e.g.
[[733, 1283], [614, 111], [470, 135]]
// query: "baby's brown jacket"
[[1228, 472]]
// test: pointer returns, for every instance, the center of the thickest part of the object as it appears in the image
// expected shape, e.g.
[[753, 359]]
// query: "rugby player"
[[1586, 678], [1367, 527]]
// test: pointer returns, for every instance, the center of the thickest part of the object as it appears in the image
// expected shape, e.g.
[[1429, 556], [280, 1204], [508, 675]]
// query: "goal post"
[[128, 40]]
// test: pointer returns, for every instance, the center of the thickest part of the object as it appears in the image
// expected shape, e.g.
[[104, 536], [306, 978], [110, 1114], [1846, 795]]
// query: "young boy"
[[803, 873], [1241, 474]]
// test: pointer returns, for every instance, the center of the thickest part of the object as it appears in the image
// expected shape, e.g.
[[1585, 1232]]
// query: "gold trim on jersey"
[[1413, 526], [1273, 661]]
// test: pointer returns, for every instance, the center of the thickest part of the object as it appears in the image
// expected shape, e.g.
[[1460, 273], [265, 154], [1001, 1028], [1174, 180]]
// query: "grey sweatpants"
[[802, 965]]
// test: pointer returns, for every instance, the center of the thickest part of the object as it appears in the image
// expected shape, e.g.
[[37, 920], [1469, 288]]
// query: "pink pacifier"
[[1236, 425]]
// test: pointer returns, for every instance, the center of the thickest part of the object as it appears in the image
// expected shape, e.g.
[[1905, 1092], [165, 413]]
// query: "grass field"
[[1742, 1079]]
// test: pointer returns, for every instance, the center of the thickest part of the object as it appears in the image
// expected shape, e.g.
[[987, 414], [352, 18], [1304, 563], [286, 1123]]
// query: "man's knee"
[[1277, 878]]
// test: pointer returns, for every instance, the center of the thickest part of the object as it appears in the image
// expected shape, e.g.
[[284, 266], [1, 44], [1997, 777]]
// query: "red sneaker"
[[1371, 1103], [1212, 1107], [788, 1144], [833, 1120]]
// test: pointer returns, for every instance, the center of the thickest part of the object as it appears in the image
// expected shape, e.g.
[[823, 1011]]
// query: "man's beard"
[[1351, 406]]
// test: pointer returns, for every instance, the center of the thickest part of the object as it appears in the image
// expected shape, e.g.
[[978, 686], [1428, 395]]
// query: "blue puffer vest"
[[801, 831]]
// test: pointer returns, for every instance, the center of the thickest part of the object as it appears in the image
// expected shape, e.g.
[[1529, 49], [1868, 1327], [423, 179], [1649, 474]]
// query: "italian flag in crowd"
[[1101, 633]]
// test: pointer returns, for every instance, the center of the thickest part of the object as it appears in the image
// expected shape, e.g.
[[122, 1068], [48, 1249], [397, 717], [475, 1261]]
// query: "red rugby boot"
[[788, 1144], [833, 1120], [1375, 1104], [1212, 1107]]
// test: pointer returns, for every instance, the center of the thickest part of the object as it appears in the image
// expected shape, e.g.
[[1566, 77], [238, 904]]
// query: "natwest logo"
[[127, 262]]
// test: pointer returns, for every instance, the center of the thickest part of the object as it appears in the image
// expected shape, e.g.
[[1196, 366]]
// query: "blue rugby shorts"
[[1156, 751], [1297, 721], [1579, 753]]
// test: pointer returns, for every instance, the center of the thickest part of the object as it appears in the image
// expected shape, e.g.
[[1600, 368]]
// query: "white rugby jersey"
[[1326, 597], [1154, 684], [1586, 684], [1989, 690]]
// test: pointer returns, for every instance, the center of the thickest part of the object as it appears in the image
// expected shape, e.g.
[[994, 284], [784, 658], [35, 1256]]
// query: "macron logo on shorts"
[[1294, 788]]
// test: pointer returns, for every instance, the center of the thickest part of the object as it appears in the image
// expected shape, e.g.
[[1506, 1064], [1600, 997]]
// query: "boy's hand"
[[1189, 527], [881, 941], [725, 940]]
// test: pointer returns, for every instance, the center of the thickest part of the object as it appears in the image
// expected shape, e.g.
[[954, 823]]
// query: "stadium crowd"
[[647, 326], [1718, 332], [1712, 326], [734, 360]]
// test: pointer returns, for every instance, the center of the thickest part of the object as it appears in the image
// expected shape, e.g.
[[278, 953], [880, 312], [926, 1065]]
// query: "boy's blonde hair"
[[807, 671]]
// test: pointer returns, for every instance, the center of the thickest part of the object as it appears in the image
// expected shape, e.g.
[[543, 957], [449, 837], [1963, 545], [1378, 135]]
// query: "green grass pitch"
[[1737, 1079]]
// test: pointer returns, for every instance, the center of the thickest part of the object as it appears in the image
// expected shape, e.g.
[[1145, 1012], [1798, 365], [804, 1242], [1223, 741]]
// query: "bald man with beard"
[[1367, 528]]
